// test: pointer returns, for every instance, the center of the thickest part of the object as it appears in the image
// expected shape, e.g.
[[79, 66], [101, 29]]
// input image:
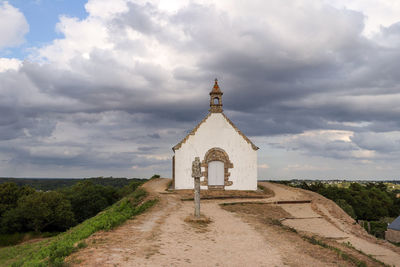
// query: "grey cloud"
[[87, 158], [274, 83], [147, 148], [139, 17], [380, 142], [335, 149], [155, 136]]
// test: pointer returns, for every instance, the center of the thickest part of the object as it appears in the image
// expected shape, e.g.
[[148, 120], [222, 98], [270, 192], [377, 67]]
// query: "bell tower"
[[216, 99]]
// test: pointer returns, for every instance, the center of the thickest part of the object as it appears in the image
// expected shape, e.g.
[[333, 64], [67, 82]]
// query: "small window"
[[216, 101]]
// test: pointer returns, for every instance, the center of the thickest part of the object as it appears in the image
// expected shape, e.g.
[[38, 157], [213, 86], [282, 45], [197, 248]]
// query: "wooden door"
[[216, 173]]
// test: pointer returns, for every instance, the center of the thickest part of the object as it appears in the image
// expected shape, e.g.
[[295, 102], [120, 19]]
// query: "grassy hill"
[[52, 251]]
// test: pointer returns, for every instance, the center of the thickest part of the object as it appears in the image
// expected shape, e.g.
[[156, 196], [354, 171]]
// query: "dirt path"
[[227, 241], [161, 237]]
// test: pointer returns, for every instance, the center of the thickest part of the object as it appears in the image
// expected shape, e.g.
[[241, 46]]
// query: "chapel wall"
[[392, 235], [217, 132]]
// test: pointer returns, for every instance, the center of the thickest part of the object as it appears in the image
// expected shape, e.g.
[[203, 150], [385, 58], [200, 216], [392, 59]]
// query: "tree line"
[[371, 202], [46, 184], [25, 209]]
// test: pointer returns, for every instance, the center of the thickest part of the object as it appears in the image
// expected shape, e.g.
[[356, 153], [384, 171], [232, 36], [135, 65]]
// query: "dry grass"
[[266, 190], [270, 212], [224, 194], [199, 224]]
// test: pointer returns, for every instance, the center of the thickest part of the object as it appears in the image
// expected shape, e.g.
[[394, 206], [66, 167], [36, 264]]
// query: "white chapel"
[[228, 158]]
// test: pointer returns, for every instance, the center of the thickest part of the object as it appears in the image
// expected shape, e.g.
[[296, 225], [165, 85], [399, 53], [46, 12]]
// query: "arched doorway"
[[216, 163]]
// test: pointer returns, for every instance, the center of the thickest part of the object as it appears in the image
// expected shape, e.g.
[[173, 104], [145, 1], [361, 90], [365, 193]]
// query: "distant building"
[[228, 157], [393, 232]]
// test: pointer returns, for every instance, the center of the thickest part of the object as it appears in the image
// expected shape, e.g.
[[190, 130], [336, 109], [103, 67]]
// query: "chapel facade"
[[228, 158]]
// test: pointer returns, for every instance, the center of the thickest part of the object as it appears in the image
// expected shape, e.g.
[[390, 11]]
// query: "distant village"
[[337, 182]]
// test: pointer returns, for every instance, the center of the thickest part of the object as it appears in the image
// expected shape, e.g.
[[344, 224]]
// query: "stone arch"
[[218, 154]]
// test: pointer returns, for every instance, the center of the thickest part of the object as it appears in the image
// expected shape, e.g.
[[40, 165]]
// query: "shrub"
[[130, 188], [87, 198], [346, 207]]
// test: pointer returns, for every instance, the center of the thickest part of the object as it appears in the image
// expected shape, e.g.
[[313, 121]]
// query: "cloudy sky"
[[100, 88]]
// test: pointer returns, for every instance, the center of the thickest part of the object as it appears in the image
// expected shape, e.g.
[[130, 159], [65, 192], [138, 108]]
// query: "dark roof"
[[395, 225]]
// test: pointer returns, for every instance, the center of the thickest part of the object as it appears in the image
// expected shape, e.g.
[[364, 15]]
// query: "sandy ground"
[[331, 225], [227, 241], [161, 237]]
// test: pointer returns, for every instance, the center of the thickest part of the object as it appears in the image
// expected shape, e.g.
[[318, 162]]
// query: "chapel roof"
[[395, 225]]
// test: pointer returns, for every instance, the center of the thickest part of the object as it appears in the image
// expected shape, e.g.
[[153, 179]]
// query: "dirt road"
[[161, 237]]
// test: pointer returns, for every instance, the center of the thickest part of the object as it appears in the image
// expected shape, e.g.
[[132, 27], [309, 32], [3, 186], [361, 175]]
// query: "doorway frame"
[[216, 154]]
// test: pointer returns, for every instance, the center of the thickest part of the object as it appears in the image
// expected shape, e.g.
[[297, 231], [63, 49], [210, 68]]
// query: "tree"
[[133, 185], [41, 211], [346, 207], [304, 185], [9, 195], [87, 199]]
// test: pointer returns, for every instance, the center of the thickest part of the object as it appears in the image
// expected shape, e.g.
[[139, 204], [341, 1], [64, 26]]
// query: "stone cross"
[[196, 174]]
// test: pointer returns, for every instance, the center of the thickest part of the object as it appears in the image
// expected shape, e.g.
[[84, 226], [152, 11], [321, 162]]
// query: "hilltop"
[[287, 226]]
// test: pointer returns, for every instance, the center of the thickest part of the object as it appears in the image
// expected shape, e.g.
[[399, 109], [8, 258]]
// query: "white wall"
[[217, 132]]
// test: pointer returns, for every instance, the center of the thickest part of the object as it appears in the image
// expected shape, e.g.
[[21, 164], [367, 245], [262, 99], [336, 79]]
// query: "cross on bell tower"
[[216, 98]]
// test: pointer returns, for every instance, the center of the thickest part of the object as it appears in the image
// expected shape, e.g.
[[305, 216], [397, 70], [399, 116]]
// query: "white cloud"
[[263, 166], [105, 8], [13, 26], [301, 167], [336, 144], [81, 37], [325, 135], [378, 13], [9, 64]]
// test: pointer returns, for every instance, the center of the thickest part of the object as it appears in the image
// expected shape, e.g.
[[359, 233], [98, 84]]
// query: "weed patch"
[[276, 222], [199, 224], [349, 245], [266, 190], [396, 244], [313, 240]]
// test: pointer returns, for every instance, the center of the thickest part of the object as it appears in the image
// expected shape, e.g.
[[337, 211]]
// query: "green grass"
[[52, 252], [16, 238], [169, 186]]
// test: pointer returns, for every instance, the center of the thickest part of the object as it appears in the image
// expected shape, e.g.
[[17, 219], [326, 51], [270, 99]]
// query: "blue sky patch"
[[42, 17]]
